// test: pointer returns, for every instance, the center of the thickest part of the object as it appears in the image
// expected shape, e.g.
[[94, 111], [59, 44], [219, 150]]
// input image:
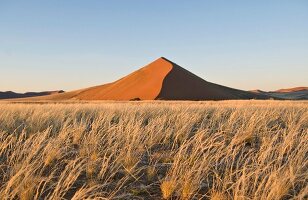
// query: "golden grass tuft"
[[218, 196], [51, 156], [167, 188], [188, 189]]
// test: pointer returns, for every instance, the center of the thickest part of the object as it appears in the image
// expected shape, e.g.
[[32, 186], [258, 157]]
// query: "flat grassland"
[[154, 150]]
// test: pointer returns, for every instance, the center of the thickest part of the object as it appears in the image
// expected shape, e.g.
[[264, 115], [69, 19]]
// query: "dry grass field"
[[154, 150]]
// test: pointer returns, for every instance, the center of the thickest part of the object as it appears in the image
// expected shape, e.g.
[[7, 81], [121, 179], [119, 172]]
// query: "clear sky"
[[72, 44]]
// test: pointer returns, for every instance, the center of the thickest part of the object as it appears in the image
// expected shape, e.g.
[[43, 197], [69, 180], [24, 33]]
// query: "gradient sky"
[[72, 44]]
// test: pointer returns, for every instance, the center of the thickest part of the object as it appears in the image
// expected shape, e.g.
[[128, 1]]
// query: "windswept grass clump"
[[154, 150]]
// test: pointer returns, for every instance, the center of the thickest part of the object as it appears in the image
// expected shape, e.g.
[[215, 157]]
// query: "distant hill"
[[297, 93], [295, 89], [159, 80], [13, 95], [257, 91]]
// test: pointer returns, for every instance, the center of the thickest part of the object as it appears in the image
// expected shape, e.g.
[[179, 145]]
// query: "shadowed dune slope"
[[181, 84]]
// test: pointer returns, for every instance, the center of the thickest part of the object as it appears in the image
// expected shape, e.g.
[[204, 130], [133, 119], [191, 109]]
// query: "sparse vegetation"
[[153, 150]]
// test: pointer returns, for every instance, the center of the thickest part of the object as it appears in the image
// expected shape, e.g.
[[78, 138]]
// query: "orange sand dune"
[[161, 79]]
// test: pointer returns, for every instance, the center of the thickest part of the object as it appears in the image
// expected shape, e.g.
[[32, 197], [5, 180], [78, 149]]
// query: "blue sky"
[[72, 44]]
